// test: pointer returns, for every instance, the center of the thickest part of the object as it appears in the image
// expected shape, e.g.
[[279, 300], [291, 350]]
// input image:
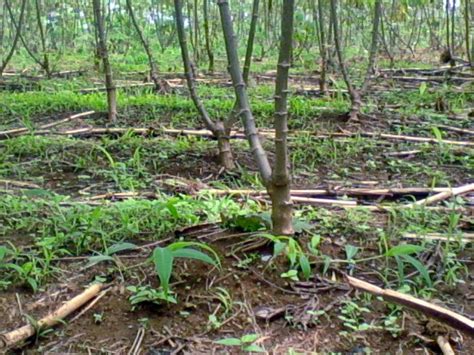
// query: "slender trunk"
[[453, 13], [197, 55], [323, 48], [373, 46], [384, 41], [218, 129], [448, 36], [241, 93], [282, 206], [467, 32], [354, 95], [17, 34], [250, 41], [207, 37], [104, 54], [160, 85], [46, 65]]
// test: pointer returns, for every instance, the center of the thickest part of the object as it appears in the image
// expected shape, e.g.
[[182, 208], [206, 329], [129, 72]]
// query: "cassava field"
[[274, 176]]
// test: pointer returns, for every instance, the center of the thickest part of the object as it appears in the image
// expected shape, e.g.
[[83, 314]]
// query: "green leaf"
[[253, 348], [404, 249], [351, 251], [305, 266], [3, 252], [163, 259], [278, 248], [419, 267], [93, 260], [118, 247], [190, 253], [181, 245], [229, 342], [249, 338]]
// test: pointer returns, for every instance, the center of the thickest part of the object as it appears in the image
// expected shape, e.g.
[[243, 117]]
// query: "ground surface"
[[68, 210]]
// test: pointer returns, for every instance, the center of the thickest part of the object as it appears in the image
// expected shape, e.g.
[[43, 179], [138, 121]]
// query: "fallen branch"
[[444, 195], [456, 129], [89, 131], [465, 238], [14, 337], [24, 130], [441, 314], [444, 345], [20, 184]]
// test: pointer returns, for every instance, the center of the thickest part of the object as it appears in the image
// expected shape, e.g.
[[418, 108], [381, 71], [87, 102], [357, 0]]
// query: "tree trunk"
[[17, 34], [322, 48], [250, 41], [104, 54], [374, 45], [160, 85], [282, 206], [207, 37], [241, 94], [354, 95], [46, 64], [218, 129]]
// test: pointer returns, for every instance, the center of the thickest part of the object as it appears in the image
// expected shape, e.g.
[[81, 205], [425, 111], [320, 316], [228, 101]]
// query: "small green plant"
[[246, 343], [163, 258], [141, 294]]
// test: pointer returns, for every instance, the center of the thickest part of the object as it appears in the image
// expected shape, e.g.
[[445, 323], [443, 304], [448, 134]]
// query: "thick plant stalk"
[[282, 206], [17, 34], [207, 36], [14, 337], [374, 44], [102, 49], [45, 63], [353, 93], [250, 41], [160, 85], [218, 129], [322, 47], [245, 111]]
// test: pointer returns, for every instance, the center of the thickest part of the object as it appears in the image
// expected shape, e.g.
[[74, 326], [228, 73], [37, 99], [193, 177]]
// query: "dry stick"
[[90, 305], [21, 184], [445, 195], [240, 135], [455, 129], [441, 314], [19, 131], [336, 191], [465, 238], [11, 338], [445, 346]]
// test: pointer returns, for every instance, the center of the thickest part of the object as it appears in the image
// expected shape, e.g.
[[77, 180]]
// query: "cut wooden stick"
[[444, 345], [21, 184], [24, 130], [89, 131], [444, 195], [464, 238], [14, 337], [444, 315], [337, 191]]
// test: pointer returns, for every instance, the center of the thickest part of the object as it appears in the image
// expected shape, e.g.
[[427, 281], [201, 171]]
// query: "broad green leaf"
[[229, 342], [253, 348], [3, 252], [404, 249], [419, 267], [351, 251], [278, 248], [305, 266], [118, 247], [163, 259], [93, 260], [249, 338], [181, 245], [190, 253]]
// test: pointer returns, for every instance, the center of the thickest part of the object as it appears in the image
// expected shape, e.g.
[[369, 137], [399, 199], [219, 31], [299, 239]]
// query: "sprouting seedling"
[[163, 258]]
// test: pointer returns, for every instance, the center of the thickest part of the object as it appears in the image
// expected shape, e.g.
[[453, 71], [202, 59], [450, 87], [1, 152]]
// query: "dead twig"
[[439, 313], [14, 337]]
